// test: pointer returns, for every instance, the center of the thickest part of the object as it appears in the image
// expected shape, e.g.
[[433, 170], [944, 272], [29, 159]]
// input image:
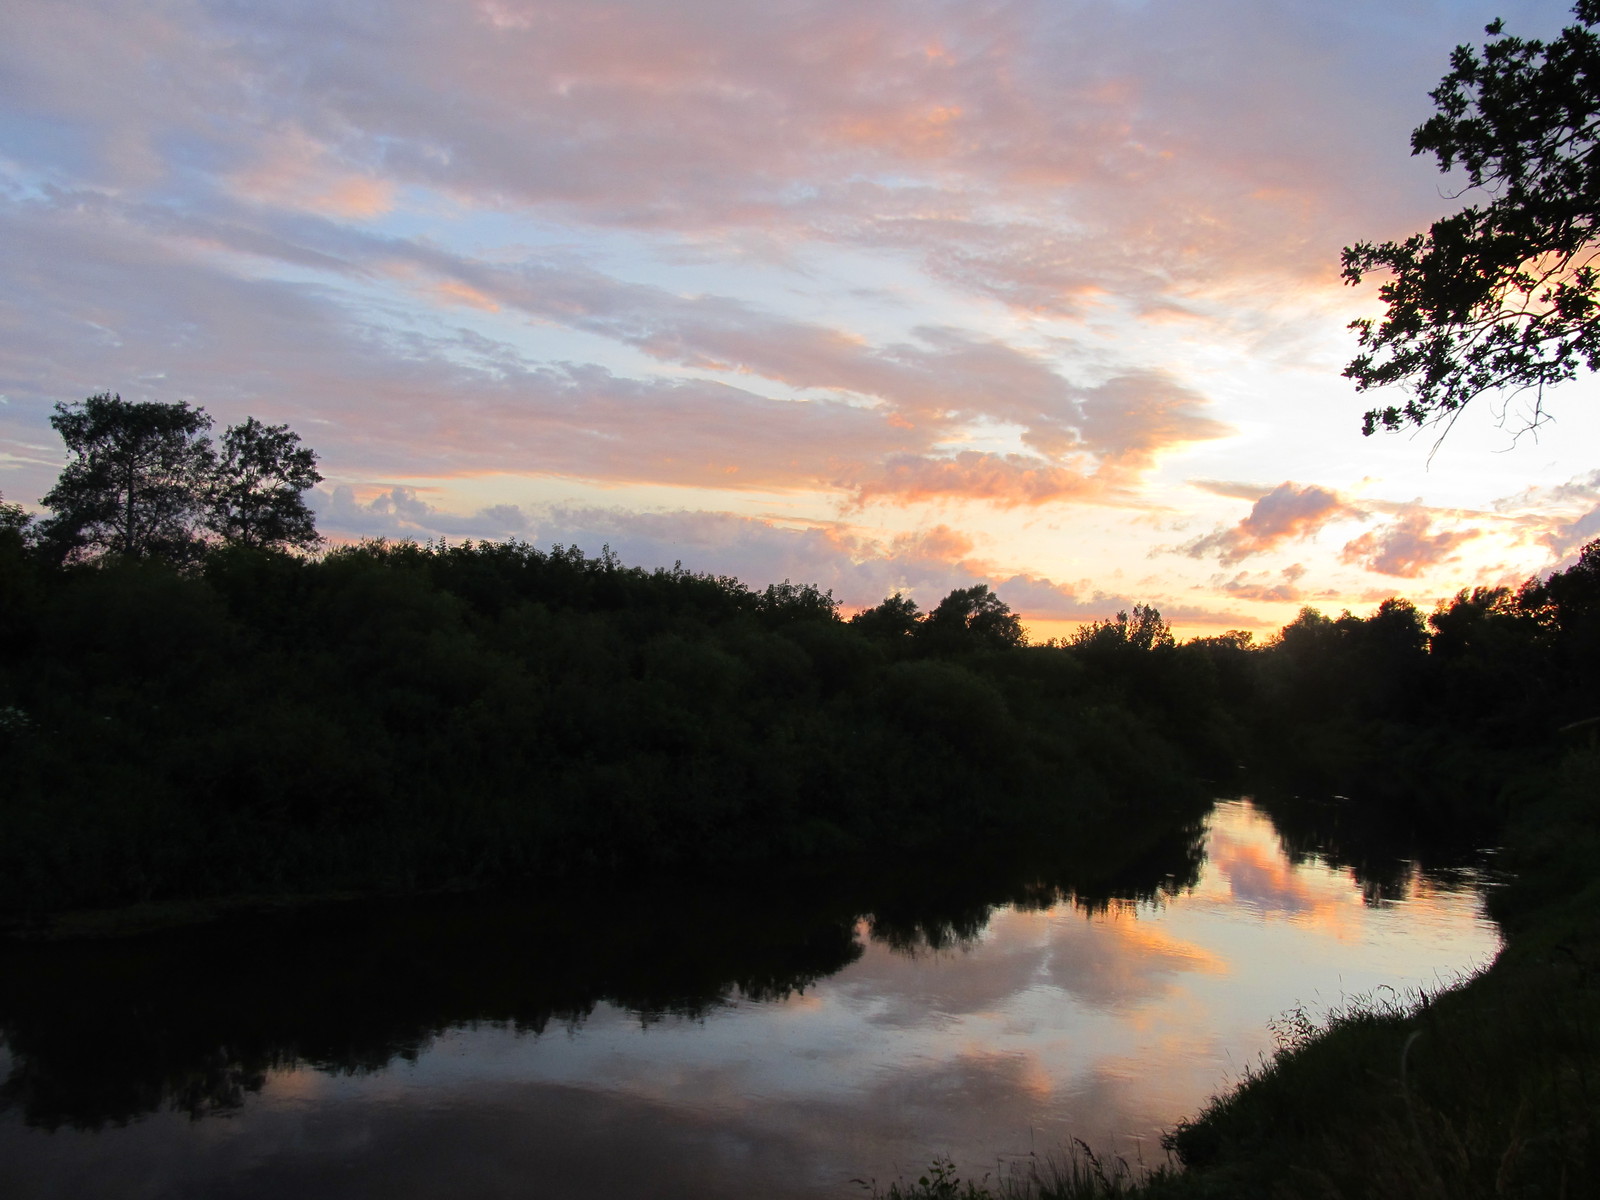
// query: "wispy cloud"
[[1006, 479], [874, 413], [890, 262]]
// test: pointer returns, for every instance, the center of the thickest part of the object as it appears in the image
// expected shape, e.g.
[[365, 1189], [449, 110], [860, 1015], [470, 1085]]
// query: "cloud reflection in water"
[[1037, 1026]]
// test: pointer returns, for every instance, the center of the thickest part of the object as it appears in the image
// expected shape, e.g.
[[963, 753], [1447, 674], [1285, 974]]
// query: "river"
[[652, 1043]]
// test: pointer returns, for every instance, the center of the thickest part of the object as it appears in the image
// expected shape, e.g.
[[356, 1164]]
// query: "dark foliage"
[[135, 485], [144, 481], [1500, 295], [970, 619], [256, 494], [402, 716]]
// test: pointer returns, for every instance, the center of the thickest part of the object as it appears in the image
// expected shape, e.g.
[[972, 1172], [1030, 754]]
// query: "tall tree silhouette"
[[137, 480], [145, 481], [258, 484]]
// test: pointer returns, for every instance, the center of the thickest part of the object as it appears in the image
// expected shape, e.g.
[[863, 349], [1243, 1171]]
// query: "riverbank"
[[1487, 1088]]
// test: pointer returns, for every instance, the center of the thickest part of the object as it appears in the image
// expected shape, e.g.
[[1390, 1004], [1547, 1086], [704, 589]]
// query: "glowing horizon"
[[879, 297]]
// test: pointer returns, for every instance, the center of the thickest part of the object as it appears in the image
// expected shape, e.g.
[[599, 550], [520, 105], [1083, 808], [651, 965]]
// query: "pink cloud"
[[1289, 512], [1126, 168], [1232, 489], [294, 170], [1261, 588], [1405, 548], [1564, 517], [1130, 418], [347, 217], [474, 404], [938, 544]]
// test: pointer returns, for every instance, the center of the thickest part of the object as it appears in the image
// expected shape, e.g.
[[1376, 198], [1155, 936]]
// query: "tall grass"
[[1079, 1173]]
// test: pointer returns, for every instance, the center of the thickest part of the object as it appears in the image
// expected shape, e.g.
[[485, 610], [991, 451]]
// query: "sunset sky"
[[867, 293]]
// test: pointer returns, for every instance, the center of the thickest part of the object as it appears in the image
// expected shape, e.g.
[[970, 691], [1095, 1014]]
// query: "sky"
[[879, 295]]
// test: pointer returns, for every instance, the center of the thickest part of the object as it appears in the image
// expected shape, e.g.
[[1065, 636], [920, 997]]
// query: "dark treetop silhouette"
[[1500, 297], [256, 497], [145, 481]]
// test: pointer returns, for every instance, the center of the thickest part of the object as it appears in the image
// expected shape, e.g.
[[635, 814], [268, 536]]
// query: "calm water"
[[708, 1046]]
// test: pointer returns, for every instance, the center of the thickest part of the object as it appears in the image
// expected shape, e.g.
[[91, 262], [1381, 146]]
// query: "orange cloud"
[[353, 196], [1285, 592], [1131, 417], [459, 293], [941, 543], [922, 133], [295, 170], [1008, 480]]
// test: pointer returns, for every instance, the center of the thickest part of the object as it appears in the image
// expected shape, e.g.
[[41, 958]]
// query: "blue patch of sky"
[[417, 324], [44, 148], [877, 297], [197, 158], [806, 280]]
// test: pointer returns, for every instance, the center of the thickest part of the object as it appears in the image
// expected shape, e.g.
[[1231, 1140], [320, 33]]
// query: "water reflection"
[[773, 1041]]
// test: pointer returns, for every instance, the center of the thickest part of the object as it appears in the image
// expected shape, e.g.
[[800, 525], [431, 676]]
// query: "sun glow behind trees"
[[897, 297]]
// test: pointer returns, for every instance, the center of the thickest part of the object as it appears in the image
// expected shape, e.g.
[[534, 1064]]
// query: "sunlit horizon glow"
[[875, 296]]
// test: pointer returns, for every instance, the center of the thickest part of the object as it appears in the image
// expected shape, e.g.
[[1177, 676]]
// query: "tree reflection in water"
[[194, 1020]]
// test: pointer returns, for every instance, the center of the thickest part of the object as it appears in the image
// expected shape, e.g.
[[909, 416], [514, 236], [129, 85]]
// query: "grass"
[[1080, 1174]]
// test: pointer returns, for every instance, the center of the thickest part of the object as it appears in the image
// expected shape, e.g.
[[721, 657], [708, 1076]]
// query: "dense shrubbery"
[[405, 716], [1437, 718], [411, 716]]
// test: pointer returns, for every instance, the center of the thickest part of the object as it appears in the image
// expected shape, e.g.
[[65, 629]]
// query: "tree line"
[[203, 712]]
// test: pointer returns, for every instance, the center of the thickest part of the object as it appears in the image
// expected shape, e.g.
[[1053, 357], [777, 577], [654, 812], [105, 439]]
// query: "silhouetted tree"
[[16, 536], [893, 620], [1144, 630], [1502, 296], [1462, 628], [1566, 608], [784, 603], [137, 480], [1569, 600], [15, 523], [145, 481], [256, 495], [1235, 641], [974, 617]]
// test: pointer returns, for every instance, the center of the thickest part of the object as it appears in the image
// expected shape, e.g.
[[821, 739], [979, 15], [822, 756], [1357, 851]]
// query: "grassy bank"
[[1490, 1088]]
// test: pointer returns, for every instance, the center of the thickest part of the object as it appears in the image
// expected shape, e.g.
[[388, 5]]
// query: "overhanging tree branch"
[[1506, 295]]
